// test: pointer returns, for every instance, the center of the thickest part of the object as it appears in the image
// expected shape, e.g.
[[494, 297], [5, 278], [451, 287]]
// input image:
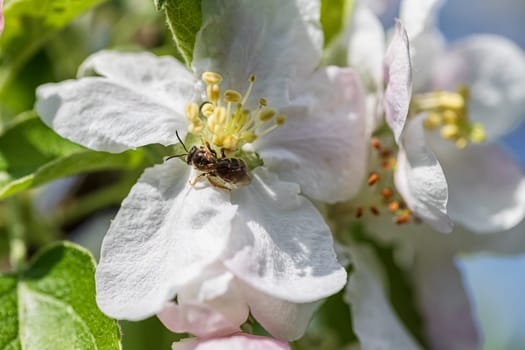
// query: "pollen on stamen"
[[375, 143], [224, 119], [448, 112], [372, 179]]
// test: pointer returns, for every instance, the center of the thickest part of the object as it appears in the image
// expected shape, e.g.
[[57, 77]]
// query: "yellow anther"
[[461, 143], [248, 136], [192, 111], [218, 140], [220, 114], [450, 131], [252, 78], [477, 133], [263, 102], [451, 100], [211, 78], [432, 121], [213, 92], [230, 142], [266, 114], [195, 128], [450, 117], [281, 119], [232, 96], [207, 109]]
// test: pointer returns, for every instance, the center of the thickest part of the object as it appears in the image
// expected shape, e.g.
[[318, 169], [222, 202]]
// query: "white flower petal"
[[425, 49], [420, 179], [163, 79], [275, 40], [280, 244], [106, 116], [375, 322], [493, 68], [447, 312], [164, 235], [418, 15], [322, 145], [486, 187], [234, 342], [282, 319], [366, 46], [398, 80]]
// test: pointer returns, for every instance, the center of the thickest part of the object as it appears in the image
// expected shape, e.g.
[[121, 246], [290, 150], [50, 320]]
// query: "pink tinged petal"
[[164, 235], [487, 188], [280, 244], [420, 179], [199, 320], [449, 318], [208, 306], [276, 40], [132, 107], [282, 319], [322, 145], [493, 68], [375, 321], [234, 342], [398, 81]]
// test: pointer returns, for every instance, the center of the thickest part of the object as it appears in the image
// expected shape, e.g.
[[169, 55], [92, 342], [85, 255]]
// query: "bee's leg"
[[216, 182], [211, 149], [223, 155], [196, 178]]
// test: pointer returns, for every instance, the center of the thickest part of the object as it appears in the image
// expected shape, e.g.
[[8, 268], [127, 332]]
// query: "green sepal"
[[184, 20]]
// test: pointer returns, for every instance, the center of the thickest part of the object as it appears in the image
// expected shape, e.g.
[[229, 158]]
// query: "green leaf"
[[51, 305], [333, 17], [32, 154], [28, 24], [184, 19]]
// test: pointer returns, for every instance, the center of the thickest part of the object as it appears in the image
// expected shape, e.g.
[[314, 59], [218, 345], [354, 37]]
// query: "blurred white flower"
[[262, 247]]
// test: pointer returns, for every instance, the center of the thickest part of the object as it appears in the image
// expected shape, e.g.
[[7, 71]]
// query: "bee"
[[226, 173]]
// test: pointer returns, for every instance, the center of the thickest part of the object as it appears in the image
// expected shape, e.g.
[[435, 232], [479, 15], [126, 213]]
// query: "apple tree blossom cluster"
[[291, 164]]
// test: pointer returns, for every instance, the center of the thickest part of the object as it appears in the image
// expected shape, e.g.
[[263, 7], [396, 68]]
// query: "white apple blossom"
[[262, 247], [458, 91], [481, 80], [419, 178], [473, 93]]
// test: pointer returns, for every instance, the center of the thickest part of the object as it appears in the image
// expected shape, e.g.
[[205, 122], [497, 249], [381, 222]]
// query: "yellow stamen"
[[232, 96], [223, 119], [211, 78]]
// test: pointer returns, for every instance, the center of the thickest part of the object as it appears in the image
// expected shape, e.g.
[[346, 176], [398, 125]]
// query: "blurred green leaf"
[[184, 20], [28, 24], [32, 154], [51, 304], [333, 17]]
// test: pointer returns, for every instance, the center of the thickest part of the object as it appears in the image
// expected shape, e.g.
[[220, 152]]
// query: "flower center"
[[224, 122], [379, 197], [448, 112]]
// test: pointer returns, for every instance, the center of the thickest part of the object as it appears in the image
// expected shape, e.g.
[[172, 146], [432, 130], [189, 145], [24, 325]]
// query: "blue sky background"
[[497, 284]]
